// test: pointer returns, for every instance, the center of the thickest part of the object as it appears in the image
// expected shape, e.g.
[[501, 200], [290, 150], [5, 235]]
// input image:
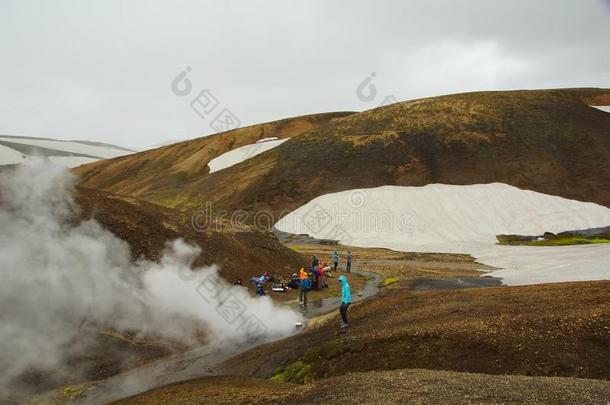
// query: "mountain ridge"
[[548, 141]]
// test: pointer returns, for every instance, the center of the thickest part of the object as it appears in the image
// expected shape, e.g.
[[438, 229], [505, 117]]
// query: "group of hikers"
[[313, 278]]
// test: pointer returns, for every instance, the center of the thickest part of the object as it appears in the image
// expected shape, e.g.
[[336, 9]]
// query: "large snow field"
[[462, 219]]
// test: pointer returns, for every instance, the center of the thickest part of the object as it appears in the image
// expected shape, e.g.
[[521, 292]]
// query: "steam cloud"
[[58, 275]]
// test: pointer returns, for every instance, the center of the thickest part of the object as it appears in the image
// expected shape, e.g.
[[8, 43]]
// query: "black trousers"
[[303, 296], [348, 266], [343, 312]]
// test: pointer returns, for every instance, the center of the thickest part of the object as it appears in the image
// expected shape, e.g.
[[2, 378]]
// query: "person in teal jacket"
[[346, 299]]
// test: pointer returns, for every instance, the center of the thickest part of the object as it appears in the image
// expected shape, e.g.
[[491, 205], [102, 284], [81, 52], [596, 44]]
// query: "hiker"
[[346, 299], [321, 277], [305, 285], [312, 278], [335, 258], [316, 278], [260, 285], [314, 262], [348, 265], [260, 291]]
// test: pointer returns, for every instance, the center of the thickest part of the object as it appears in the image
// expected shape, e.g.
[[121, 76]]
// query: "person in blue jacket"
[[314, 262], [346, 299], [305, 286], [335, 258], [260, 285]]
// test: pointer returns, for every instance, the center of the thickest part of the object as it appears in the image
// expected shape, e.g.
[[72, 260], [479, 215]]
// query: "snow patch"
[[9, 156], [605, 108], [462, 219], [521, 265], [242, 153], [71, 161], [271, 138], [103, 152]]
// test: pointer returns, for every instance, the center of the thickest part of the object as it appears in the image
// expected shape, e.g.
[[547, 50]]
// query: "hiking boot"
[[344, 325]]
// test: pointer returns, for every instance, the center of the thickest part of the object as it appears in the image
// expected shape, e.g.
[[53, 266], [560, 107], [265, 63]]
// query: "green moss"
[[72, 392], [304, 370], [327, 351], [574, 240], [388, 280], [298, 372], [182, 201], [559, 241]]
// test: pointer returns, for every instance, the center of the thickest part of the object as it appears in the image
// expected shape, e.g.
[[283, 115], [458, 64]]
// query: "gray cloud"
[[101, 71]]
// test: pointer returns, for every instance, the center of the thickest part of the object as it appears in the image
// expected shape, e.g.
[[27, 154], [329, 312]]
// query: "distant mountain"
[[166, 143], [21, 149], [550, 141]]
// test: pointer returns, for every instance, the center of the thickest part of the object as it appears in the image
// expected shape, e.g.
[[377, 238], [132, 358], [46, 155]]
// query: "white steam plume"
[[56, 275]]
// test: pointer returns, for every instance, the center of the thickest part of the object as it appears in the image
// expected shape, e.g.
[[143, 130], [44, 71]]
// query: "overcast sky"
[[103, 70]]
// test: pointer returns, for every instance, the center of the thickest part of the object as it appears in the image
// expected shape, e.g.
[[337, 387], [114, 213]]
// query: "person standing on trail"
[[314, 262], [346, 299], [348, 265], [335, 258], [321, 277], [315, 278], [305, 285]]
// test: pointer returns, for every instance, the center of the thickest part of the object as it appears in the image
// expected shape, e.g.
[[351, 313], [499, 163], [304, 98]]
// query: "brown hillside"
[[549, 141], [146, 173], [241, 252], [490, 345], [545, 330]]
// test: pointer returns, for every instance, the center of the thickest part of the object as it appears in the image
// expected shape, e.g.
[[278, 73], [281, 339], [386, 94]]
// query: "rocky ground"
[[413, 386], [486, 345], [545, 330], [417, 342]]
